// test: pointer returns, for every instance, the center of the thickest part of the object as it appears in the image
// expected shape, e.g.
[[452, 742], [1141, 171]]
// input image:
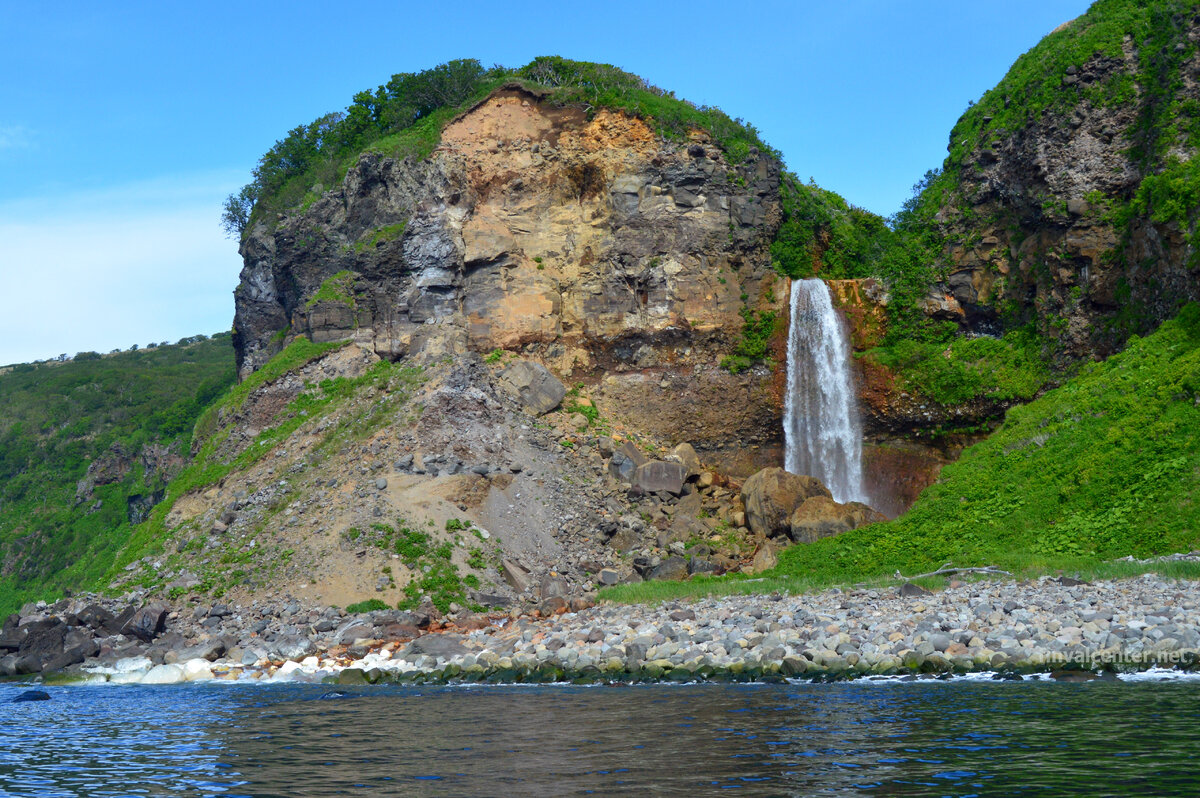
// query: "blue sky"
[[124, 125]]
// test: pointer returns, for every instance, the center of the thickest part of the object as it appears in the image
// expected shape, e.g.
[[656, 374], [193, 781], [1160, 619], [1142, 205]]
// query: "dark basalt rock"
[[31, 695]]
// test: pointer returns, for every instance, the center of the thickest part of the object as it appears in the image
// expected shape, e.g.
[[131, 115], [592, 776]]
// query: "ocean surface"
[[857, 738]]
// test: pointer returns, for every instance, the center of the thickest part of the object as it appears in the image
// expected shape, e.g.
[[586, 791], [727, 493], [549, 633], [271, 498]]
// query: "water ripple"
[[920, 739]]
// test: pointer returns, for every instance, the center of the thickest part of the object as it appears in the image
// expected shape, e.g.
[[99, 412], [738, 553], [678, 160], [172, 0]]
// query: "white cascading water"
[[821, 428]]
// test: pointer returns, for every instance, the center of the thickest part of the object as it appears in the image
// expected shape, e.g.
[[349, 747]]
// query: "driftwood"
[[948, 568]]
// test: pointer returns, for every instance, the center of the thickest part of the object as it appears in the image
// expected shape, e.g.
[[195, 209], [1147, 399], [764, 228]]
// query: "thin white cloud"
[[15, 137], [106, 269]]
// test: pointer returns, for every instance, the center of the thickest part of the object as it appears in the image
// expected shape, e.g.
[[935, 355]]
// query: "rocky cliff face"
[[1043, 223], [614, 257]]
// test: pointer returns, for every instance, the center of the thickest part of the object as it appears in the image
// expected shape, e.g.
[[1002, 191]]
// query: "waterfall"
[[821, 428]]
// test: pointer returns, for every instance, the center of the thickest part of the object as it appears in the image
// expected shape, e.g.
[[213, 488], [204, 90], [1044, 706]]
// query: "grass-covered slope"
[[58, 418], [1105, 466]]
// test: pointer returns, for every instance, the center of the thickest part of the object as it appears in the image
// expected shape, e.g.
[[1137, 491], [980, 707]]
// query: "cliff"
[[1069, 196], [587, 241]]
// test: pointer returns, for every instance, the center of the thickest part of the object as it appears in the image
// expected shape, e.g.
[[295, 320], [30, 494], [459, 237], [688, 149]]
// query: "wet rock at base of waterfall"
[[686, 456], [819, 517], [658, 476], [625, 461], [772, 495], [533, 386]]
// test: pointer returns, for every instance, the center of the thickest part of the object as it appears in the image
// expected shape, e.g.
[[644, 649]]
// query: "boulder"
[[822, 517], [658, 476], [672, 568], [436, 645], [772, 495], [819, 517], [163, 674], [147, 623], [764, 559], [515, 574], [686, 456], [31, 695], [624, 539], [555, 586], [608, 576], [625, 461], [534, 387]]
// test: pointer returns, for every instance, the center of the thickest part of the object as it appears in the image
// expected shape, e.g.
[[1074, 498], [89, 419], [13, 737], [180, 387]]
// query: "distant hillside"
[[86, 448]]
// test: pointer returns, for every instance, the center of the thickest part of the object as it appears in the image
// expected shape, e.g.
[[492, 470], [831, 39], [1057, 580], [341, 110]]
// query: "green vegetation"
[[370, 605], [757, 329], [965, 369], [214, 460], [56, 419], [405, 118], [381, 235], [738, 585], [1106, 466], [822, 234], [335, 288]]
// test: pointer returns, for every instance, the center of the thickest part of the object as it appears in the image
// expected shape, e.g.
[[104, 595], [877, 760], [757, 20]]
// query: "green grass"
[[335, 288], [965, 369], [370, 605], [381, 235], [737, 585]]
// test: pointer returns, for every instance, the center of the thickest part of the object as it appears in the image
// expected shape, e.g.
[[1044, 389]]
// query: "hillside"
[[1105, 466], [1069, 197], [86, 449]]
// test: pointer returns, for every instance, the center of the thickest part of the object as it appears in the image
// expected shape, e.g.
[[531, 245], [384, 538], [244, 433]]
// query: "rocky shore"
[[1008, 628]]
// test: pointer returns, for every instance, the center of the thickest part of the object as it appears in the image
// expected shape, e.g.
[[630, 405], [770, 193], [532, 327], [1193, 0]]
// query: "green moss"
[[381, 235], [335, 288]]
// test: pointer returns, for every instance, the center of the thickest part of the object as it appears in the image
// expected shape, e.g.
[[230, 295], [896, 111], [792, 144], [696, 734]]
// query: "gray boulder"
[[660, 476], [437, 645], [672, 568], [625, 461], [533, 386], [686, 456]]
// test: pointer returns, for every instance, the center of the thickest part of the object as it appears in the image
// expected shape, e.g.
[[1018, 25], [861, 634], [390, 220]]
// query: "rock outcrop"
[[590, 244], [1054, 219]]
